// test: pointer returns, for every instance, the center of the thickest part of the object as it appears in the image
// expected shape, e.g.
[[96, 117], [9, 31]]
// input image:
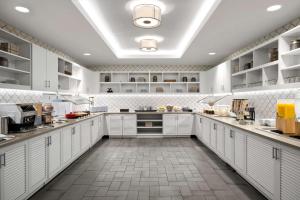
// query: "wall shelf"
[[122, 82]]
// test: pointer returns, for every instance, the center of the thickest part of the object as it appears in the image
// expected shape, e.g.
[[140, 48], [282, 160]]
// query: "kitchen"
[[149, 99]]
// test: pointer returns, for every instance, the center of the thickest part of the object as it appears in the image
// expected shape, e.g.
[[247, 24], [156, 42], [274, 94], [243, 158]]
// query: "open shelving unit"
[[68, 75], [15, 72], [149, 82], [149, 123], [255, 68]]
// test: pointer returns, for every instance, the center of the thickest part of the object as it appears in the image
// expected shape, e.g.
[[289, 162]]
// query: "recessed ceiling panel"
[[181, 21]]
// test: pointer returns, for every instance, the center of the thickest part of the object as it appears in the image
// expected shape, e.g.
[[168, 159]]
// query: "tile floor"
[[138, 169]]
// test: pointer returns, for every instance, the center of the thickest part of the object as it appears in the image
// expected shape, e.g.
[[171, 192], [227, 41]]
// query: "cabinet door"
[[185, 124], [52, 71], [290, 174], [85, 135], [129, 124], [206, 131], [229, 145], [115, 125], [220, 139], [94, 130], [213, 135], [39, 68], [37, 162], [198, 127], [76, 144], [101, 124], [13, 172], [54, 159], [260, 163], [66, 144], [239, 150], [170, 124]]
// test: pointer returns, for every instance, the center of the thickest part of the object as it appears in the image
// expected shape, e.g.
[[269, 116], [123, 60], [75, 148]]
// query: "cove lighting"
[[91, 11], [274, 8], [22, 9]]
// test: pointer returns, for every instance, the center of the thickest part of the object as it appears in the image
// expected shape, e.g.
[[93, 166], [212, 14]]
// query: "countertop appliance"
[[21, 116]]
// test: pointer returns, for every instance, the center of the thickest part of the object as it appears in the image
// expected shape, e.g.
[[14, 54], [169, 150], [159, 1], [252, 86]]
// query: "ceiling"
[[233, 25]]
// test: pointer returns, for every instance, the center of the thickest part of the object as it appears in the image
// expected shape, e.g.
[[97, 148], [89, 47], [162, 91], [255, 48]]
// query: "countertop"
[[180, 112], [255, 129], [19, 137]]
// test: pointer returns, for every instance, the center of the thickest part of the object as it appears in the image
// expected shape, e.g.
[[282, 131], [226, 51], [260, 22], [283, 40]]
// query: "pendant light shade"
[[148, 45], [147, 16]]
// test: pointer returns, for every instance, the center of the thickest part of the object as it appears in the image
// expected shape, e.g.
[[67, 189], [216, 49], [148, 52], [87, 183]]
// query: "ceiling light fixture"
[[22, 9], [212, 53], [87, 54], [274, 8], [148, 45], [146, 16]]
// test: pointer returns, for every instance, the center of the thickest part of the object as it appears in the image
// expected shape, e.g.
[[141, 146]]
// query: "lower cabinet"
[[198, 127], [229, 145], [85, 135], [94, 130], [289, 173], [54, 153], [239, 150], [122, 125], [261, 164], [220, 139], [13, 172], [76, 144], [37, 155], [213, 135], [101, 126], [178, 124], [206, 131]]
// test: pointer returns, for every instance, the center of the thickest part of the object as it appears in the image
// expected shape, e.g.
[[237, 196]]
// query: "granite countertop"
[[256, 129], [181, 112], [19, 137]]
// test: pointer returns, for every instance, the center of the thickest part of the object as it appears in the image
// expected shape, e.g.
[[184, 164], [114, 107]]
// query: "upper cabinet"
[[15, 62], [44, 69], [218, 79]]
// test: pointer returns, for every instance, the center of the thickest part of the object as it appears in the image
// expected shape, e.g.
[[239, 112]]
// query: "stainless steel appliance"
[[21, 116]]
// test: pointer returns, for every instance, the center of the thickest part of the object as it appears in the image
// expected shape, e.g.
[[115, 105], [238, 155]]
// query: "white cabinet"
[[220, 139], [261, 163], [198, 127], [13, 172], [239, 150], [115, 125], [122, 125], [229, 145], [94, 130], [290, 173], [76, 137], [66, 144], [206, 131], [213, 135], [85, 135], [178, 124], [185, 124], [44, 69], [170, 124], [101, 126], [129, 125], [54, 153], [37, 162]]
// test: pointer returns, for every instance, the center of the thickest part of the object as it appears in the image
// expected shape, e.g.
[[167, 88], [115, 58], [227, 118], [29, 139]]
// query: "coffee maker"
[[21, 116]]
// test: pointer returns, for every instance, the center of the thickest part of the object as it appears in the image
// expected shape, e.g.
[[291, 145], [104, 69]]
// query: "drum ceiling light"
[[147, 16], [148, 45]]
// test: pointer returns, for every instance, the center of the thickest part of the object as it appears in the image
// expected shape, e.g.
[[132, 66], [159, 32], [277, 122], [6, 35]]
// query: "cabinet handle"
[[200, 120], [92, 123], [277, 154], [47, 141], [2, 160], [46, 84], [73, 130], [231, 133], [273, 153], [215, 126], [49, 84]]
